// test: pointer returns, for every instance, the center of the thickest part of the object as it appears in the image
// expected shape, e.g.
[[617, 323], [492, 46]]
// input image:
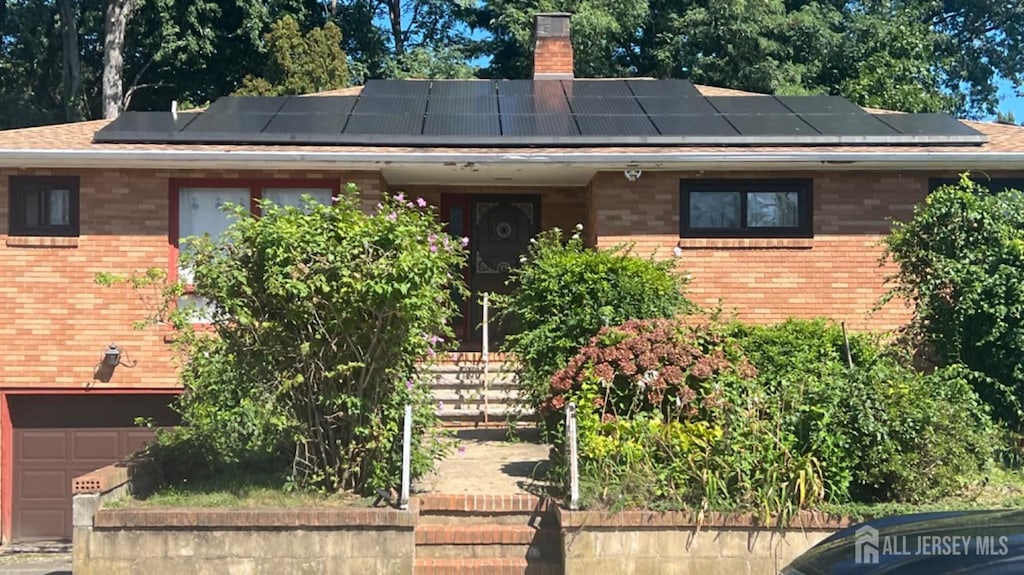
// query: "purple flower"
[[462, 450], [433, 248], [465, 242], [421, 202], [408, 384], [440, 406], [392, 217], [400, 197], [432, 238]]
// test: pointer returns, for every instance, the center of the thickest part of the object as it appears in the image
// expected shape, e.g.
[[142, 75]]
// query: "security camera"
[[632, 174]]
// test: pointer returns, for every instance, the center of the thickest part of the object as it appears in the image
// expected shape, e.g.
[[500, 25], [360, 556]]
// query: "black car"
[[962, 542]]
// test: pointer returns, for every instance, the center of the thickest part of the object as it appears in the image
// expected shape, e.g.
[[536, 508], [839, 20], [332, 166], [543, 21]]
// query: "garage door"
[[58, 437]]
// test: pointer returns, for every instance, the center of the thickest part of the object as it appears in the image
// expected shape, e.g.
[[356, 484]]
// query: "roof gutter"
[[197, 159]]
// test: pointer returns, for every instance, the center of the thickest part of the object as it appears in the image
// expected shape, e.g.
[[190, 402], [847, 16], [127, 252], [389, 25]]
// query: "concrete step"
[[485, 566]]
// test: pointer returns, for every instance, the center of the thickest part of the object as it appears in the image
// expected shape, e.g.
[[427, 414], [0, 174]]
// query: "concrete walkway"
[[35, 564], [488, 462]]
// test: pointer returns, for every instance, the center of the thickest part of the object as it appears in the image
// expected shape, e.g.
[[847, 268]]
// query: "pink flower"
[[421, 202], [433, 248], [392, 217], [400, 197], [408, 384], [465, 242]]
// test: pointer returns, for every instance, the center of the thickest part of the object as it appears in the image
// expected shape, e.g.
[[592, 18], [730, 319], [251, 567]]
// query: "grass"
[[240, 491], [1003, 488]]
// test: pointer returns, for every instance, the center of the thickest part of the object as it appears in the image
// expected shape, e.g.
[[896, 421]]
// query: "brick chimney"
[[552, 53]]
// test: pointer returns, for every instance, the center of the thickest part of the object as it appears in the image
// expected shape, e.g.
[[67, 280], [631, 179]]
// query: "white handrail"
[[574, 470], [403, 502], [485, 355]]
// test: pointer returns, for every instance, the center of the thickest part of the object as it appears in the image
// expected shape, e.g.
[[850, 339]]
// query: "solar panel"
[[820, 105], [400, 105], [712, 125], [615, 126], [400, 88], [461, 125], [848, 125], [461, 88], [339, 105], [229, 123], [247, 104], [538, 125], [590, 105], [153, 122], [394, 124], [537, 104], [926, 124], [663, 88], [673, 106], [454, 105], [770, 125], [529, 87], [597, 88], [748, 105], [306, 124]]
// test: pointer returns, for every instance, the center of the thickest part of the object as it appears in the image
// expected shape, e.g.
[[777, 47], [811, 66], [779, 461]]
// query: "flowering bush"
[[319, 317], [566, 292], [646, 366]]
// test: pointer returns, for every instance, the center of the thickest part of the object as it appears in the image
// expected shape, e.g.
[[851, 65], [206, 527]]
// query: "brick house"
[[74, 203]]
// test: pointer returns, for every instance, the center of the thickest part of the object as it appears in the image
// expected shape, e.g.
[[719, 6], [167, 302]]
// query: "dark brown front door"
[[499, 227], [59, 437]]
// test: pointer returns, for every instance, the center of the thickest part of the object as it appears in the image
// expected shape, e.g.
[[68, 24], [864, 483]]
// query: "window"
[[745, 208], [199, 211], [43, 206]]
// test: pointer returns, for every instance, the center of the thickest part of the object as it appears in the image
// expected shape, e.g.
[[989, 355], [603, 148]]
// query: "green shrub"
[[565, 293], [765, 418], [319, 316], [961, 266], [914, 437]]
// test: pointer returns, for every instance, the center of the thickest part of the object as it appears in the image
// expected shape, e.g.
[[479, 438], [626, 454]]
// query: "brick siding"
[[835, 274], [56, 321]]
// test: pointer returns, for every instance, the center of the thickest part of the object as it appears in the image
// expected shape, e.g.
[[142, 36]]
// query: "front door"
[[499, 227]]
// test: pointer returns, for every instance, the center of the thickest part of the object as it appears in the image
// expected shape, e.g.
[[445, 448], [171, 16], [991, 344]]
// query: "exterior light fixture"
[[632, 174], [112, 356]]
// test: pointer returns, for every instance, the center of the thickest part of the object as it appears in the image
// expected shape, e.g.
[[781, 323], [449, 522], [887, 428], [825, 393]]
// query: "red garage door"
[[58, 437]]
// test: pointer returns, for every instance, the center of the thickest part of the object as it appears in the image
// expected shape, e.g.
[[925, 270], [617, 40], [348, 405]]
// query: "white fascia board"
[[341, 160]]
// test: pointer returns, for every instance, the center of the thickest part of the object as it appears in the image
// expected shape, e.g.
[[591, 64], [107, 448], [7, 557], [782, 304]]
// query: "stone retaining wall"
[[646, 542]]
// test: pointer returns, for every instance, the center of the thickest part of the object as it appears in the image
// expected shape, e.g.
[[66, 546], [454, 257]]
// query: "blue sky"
[[1010, 102]]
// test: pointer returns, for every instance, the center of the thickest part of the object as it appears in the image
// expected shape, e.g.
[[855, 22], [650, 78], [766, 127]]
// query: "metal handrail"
[[574, 470], [485, 356]]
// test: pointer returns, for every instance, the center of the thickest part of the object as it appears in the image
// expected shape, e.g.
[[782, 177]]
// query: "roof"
[[71, 145]]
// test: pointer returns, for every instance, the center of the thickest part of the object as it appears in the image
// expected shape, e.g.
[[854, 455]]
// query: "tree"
[[115, 23], [904, 55], [299, 63], [961, 267]]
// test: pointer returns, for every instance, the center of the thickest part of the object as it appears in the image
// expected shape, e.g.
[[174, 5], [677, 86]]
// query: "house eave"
[[460, 160]]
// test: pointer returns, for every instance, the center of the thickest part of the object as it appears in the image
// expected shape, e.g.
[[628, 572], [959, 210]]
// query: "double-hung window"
[[198, 210], [745, 208], [43, 206]]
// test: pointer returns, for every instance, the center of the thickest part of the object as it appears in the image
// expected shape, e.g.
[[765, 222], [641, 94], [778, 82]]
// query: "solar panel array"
[[541, 112]]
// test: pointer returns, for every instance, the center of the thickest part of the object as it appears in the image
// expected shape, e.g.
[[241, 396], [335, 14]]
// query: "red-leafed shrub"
[[658, 365]]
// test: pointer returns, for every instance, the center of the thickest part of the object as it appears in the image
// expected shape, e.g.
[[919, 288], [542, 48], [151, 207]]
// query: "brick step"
[[473, 541], [465, 509], [485, 566]]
